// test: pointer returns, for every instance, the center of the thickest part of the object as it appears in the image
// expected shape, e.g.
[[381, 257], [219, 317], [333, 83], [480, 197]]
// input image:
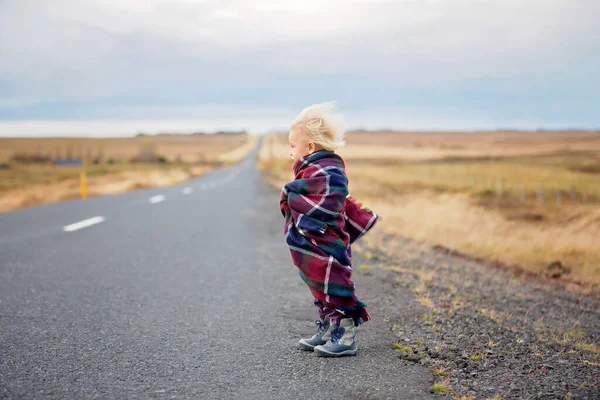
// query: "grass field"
[[525, 198], [28, 175], [188, 148]]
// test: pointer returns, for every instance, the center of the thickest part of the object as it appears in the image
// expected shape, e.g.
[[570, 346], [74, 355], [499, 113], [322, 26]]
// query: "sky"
[[85, 67]]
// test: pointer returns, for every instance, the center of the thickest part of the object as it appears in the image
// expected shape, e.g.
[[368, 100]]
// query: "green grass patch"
[[402, 348], [440, 388]]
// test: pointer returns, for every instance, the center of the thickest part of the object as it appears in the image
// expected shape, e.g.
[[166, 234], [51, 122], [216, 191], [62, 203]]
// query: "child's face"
[[299, 144]]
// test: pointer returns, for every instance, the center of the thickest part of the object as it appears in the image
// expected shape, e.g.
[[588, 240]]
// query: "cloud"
[[80, 58]]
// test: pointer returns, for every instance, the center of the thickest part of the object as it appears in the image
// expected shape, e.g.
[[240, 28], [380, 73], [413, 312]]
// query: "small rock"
[[426, 363], [433, 354], [414, 358]]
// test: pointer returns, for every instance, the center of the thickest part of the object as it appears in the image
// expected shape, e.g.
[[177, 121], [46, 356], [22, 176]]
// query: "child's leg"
[[320, 309], [328, 312]]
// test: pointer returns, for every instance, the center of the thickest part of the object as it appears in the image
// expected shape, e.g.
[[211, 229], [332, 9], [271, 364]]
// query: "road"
[[185, 292]]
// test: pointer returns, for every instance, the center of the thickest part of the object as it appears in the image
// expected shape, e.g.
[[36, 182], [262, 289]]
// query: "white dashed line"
[[83, 224], [187, 190], [156, 199]]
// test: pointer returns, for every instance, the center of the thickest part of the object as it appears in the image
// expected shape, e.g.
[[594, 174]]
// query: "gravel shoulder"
[[483, 332]]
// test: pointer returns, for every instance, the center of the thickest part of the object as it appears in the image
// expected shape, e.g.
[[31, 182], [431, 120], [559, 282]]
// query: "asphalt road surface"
[[186, 292]]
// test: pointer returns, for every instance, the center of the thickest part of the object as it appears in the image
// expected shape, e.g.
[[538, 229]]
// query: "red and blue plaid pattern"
[[321, 222]]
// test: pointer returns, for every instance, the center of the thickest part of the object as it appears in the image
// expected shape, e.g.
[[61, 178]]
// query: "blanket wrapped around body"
[[321, 223]]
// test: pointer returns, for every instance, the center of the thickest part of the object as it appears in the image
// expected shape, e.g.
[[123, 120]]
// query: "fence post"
[[83, 184]]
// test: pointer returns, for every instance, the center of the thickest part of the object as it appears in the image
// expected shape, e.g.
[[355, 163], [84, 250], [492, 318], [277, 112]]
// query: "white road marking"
[[156, 199], [187, 190], [83, 224]]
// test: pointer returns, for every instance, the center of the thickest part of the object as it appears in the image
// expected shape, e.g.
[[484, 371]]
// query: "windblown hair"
[[323, 125]]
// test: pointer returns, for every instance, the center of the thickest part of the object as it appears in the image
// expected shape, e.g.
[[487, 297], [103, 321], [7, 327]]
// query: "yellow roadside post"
[[83, 181]]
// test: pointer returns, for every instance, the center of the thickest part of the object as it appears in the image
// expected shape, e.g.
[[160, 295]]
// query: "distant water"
[[119, 128], [278, 122]]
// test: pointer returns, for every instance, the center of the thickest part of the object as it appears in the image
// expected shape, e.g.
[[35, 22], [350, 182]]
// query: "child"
[[321, 222]]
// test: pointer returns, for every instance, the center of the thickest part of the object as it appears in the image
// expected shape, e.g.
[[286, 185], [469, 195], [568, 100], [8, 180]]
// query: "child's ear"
[[311, 147]]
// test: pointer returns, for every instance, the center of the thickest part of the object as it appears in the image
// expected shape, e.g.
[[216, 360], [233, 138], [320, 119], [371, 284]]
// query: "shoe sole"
[[325, 353], [306, 346]]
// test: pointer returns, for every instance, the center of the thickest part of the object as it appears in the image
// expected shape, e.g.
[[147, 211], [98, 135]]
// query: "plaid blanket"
[[321, 222]]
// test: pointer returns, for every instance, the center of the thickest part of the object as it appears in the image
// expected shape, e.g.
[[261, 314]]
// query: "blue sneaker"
[[341, 342], [321, 337]]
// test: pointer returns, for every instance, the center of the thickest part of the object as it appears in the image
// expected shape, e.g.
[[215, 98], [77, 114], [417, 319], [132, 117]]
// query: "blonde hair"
[[323, 125]]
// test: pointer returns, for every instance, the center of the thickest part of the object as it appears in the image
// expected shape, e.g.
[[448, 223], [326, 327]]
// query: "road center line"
[[156, 199], [83, 224]]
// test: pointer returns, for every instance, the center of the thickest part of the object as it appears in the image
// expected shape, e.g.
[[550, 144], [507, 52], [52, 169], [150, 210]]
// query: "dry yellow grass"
[[23, 185], [189, 148], [117, 182], [454, 203], [413, 146], [237, 154]]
